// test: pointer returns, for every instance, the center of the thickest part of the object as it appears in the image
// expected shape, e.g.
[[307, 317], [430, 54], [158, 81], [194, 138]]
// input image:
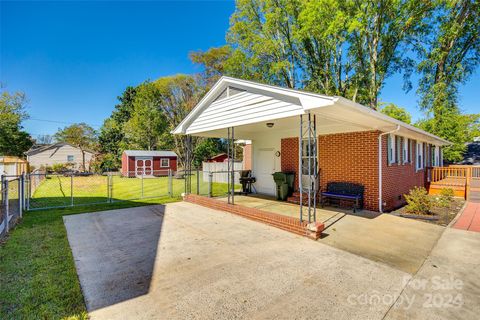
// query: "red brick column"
[[289, 157]]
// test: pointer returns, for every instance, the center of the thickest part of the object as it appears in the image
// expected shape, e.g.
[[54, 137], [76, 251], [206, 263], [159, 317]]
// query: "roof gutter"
[[380, 162]]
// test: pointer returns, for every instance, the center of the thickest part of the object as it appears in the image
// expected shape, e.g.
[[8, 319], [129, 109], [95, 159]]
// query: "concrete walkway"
[[184, 261], [448, 284]]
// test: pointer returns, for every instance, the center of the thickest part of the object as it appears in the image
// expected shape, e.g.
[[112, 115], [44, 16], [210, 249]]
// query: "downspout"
[[380, 162]]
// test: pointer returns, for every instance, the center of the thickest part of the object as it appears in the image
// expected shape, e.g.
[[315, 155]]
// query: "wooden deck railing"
[[453, 176]]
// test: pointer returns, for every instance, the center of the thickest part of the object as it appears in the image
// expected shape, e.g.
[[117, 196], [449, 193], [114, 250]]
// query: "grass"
[[37, 271], [56, 190]]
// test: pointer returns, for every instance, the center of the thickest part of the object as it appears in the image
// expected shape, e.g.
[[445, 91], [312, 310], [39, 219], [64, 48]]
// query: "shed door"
[[143, 166]]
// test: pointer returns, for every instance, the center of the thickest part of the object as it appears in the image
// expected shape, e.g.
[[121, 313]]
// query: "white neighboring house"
[[61, 152]]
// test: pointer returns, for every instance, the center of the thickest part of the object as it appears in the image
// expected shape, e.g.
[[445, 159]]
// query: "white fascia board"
[[254, 119], [305, 99], [421, 133]]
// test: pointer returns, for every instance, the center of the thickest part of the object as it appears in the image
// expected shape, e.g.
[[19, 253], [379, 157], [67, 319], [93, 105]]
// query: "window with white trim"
[[391, 148], [419, 156], [398, 149], [165, 163], [406, 154]]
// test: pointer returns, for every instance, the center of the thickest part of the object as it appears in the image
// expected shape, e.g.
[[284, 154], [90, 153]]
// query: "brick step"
[[295, 198]]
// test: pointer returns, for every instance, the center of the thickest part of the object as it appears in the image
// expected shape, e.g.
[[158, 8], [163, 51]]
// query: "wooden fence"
[[220, 171]]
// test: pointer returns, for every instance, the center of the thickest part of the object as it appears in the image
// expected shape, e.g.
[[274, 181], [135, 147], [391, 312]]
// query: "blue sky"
[[73, 59]]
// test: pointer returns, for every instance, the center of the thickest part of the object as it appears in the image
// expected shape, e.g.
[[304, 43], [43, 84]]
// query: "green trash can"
[[280, 179], [290, 181]]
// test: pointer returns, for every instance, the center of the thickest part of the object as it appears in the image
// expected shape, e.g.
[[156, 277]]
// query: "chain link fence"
[[40, 190], [12, 201]]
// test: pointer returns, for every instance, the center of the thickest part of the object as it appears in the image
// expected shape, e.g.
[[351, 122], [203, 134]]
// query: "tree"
[[44, 139], [112, 136], [213, 61], [13, 139], [396, 112], [455, 127], [450, 55], [80, 135], [177, 95], [350, 53], [147, 122], [207, 148]]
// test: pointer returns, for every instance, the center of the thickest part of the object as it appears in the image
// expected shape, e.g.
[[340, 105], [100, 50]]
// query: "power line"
[[61, 122]]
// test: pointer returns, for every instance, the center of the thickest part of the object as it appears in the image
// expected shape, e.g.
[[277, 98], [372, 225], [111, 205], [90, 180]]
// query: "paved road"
[[184, 261]]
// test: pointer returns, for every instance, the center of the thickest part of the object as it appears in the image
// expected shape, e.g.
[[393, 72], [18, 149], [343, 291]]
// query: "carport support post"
[[300, 150], [233, 166]]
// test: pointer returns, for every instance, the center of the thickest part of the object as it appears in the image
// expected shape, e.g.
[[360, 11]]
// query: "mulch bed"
[[439, 215]]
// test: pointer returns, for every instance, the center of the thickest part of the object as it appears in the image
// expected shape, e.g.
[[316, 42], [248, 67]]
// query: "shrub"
[[445, 198], [418, 201]]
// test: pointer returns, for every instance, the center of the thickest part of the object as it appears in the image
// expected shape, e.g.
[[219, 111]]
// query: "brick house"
[[345, 141], [148, 163]]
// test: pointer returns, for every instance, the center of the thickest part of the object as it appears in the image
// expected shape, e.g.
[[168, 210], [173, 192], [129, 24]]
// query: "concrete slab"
[[448, 284], [398, 242], [185, 261]]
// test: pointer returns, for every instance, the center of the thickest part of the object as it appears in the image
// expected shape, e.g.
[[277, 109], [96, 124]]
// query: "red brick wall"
[[247, 157], [289, 157], [351, 157], [398, 179]]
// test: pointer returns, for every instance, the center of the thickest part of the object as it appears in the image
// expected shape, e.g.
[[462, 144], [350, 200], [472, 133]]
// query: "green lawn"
[[37, 271], [55, 191]]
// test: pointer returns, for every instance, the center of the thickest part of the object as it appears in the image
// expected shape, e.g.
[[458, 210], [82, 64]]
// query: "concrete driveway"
[[184, 261]]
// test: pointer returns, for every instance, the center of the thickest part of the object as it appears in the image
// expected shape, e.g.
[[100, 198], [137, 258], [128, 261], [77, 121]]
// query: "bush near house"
[[418, 201], [445, 199]]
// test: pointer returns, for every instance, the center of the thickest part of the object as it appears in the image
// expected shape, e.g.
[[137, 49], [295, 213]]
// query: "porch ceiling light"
[[270, 124]]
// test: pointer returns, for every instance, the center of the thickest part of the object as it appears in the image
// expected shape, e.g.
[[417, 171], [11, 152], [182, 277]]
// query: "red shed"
[[148, 163]]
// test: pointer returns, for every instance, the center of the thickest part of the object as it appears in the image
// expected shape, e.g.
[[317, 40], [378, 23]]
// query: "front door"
[[265, 166], [143, 166]]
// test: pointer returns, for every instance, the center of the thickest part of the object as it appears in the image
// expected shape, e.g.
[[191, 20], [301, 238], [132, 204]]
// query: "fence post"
[[111, 188], [7, 209], [170, 181], [141, 181], [210, 181], [198, 181], [71, 190], [27, 191], [20, 195]]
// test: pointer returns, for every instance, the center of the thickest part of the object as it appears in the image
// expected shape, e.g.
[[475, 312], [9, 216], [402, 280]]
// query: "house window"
[[70, 158], [419, 156], [391, 148], [398, 148], [164, 163], [306, 150], [406, 153]]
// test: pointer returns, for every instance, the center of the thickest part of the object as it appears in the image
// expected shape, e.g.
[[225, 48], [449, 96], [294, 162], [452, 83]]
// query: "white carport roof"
[[248, 106]]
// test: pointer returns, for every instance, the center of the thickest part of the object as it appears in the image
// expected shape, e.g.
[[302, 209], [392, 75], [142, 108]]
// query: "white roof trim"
[[290, 103]]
